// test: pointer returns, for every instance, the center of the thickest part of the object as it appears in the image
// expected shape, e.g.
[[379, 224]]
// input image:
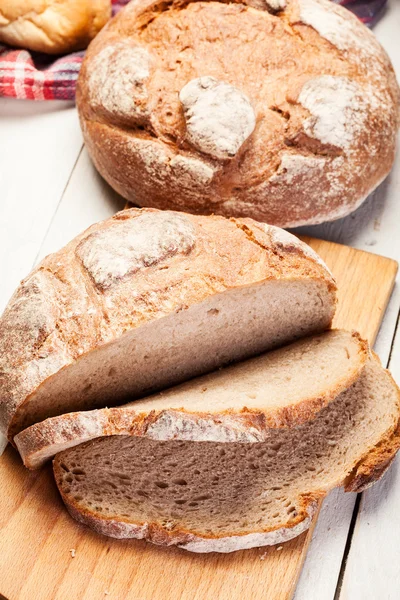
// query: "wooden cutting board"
[[38, 538]]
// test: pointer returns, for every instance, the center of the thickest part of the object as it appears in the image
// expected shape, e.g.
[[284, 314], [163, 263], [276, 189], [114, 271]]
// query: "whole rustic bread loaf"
[[240, 403], [52, 26], [285, 111], [147, 299], [209, 496]]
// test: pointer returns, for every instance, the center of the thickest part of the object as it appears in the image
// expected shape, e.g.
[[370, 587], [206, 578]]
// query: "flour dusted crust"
[[338, 111], [125, 272], [297, 124], [117, 82], [219, 118], [333, 24], [52, 26], [131, 245]]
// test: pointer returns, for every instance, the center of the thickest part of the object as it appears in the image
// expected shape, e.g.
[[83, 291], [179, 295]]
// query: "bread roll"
[[147, 299], [52, 26], [285, 112]]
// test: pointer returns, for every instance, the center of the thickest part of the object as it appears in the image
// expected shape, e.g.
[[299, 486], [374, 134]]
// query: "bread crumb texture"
[[239, 403], [218, 497]]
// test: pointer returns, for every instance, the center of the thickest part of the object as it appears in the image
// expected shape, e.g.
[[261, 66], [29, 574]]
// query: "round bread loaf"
[[52, 26], [285, 112], [147, 299]]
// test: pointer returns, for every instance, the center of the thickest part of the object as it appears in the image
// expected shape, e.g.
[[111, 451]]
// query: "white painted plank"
[[86, 200], [39, 144], [372, 569], [321, 569]]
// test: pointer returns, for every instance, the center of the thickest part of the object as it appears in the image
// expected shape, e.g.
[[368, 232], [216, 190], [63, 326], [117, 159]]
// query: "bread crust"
[[81, 298], [52, 26], [42, 441], [195, 541], [328, 103]]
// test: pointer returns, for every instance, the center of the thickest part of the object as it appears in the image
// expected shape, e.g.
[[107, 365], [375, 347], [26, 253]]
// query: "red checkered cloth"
[[33, 76]]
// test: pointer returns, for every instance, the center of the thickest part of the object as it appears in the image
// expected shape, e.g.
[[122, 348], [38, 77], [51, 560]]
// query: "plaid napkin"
[[33, 76]]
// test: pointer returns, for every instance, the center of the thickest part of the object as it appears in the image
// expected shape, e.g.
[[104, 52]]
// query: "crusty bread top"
[[240, 403], [224, 107], [52, 26], [133, 268]]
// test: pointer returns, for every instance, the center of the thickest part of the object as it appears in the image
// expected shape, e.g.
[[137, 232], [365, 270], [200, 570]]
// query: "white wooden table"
[[49, 192]]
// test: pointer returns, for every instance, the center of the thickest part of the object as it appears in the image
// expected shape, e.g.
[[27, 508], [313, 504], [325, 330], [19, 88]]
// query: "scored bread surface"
[[147, 299], [208, 496], [228, 107], [240, 403]]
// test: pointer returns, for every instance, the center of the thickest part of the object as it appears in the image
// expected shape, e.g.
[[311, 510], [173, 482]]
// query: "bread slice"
[[147, 299], [214, 497], [240, 403]]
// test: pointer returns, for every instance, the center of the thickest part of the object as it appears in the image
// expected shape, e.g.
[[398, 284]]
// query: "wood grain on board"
[[45, 555]]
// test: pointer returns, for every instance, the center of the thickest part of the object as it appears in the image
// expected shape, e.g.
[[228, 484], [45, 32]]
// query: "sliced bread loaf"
[[240, 403], [147, 299], [208, 496]]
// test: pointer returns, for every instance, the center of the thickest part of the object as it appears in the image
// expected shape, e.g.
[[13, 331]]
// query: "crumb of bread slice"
[[209, 496], [240, 403]]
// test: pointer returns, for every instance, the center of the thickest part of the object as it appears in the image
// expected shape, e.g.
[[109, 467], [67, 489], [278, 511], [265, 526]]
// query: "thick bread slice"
[[208, 496], [240, 403], [147, 299]]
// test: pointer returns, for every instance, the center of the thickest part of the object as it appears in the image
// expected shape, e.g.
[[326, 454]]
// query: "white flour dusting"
[[159, 164], [191, 170], [284, 238], [297, 165], [219, 117], [277, 4], [338, 112], [127, 246], [117, 80], [339, 27]]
